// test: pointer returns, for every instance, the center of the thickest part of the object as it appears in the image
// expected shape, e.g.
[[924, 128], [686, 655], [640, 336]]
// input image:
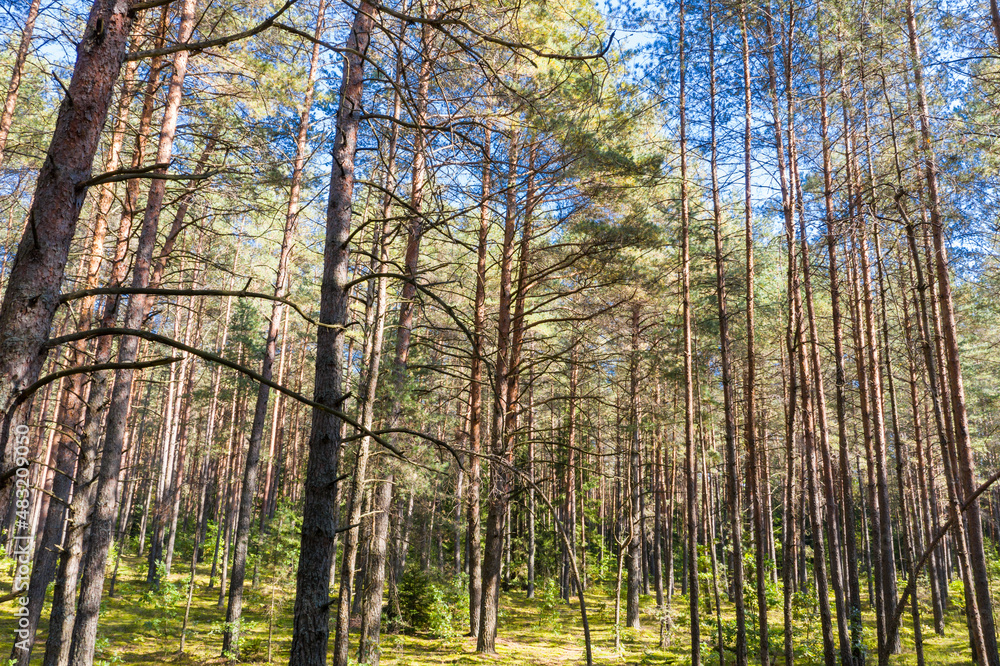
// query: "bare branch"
[[215, 358], [118, 291], [211, 43]]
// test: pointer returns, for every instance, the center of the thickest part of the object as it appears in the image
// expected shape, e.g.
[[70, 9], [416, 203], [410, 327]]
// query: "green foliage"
[[252, 646], [549, 597], [773, 598], [772, 592], [606, 569], [428, 605], [102, 649], [956, 594], [162, 601]]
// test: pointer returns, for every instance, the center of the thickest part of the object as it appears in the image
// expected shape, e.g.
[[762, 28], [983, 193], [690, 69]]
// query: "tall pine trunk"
[[10, 101], [106, 500], [500, 476], [32, 293], [966, 464], [310, 630], [476, 400]]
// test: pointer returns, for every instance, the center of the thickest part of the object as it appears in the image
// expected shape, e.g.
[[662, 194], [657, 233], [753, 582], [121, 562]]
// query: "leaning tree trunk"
[[72, 410], [788, 517], [63, 614], [104, 512], [966, 465], [32, 294], [415, 219], [372, 353], [847, 493], [834, 524], [374, 575]]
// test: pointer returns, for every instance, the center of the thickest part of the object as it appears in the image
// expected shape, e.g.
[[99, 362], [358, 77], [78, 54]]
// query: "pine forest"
[[550, 332]]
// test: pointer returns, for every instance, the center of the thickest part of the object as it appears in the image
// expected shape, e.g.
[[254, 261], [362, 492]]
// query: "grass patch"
[[142, 627]]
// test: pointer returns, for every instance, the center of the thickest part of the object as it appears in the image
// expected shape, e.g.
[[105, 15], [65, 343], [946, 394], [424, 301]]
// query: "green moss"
[[138, 627]]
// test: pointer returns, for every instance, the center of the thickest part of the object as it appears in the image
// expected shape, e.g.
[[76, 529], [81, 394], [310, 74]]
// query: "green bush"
[[162, 601], [425, 604]]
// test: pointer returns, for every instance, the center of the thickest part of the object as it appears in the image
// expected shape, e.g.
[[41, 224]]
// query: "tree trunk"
[[531, 488], [729, 407], [635, 488], [966, 465], [371, 619], [32, 293], [415, 220], [500, 476], [10, 102], [472, 537], [690, 465], [102, 520], [312, 605], [835, 526], [234, 607], [72, 409], [847, 493]]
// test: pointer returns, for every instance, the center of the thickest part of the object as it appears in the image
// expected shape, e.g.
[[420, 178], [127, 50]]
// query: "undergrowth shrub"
[[163, 601], [427, 604]]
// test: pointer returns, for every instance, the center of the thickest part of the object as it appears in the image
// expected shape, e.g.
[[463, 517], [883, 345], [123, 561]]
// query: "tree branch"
[[121, 174], [210, 43], [118, 291], [82, 369], [911, 583], [215, 358]]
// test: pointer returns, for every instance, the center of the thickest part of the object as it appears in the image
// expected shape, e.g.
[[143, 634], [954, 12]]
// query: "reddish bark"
[[32, 293]]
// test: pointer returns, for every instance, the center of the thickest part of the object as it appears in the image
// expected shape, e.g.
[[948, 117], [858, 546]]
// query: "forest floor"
[[138, 627]]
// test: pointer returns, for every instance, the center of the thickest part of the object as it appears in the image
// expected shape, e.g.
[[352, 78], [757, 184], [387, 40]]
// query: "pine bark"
[[966, 464], [374, 580], [234, 606], [500, 476], [476, 401], [725, 349], [847, 492], [105, 507], [32, 293], [311, 630], [635, 487]]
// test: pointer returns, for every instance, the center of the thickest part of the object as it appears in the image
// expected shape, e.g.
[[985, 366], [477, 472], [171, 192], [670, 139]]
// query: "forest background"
[[507, 332]]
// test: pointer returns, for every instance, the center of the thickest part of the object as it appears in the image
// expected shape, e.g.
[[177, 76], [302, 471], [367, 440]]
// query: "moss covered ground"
[[139, 626]]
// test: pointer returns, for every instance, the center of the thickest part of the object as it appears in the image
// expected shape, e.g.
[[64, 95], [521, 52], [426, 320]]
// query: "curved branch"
[[115, 291], [432, 440], [218, 41], [422, 288], [123, 174], [118, 291], [28, 391], [215, 358]]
